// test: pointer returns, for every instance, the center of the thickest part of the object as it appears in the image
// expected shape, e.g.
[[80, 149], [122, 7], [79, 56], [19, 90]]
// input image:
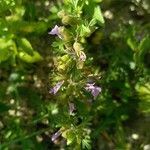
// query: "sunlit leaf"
[[30, 59], [98, 15], [25, 45]]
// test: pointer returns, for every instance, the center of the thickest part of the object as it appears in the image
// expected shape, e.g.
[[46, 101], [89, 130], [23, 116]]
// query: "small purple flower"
[[82, 56], [95, 90], [55, 89], [72, 108], [55, 31], [55, 136]]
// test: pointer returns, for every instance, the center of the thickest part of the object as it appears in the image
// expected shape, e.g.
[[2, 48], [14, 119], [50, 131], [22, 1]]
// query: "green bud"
[[77, 47], [61, 14], [86, 31], [61, 67], [79, 64], [65, 58], [70, 20], [62, 63]]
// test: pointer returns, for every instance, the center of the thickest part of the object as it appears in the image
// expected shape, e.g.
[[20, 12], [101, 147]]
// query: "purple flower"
[[95, 90], [55, 136], [55, 31], [72, 108], [82, 56], [55, 89]]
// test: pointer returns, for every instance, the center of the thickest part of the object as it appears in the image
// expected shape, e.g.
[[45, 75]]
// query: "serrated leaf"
[[86, 143]]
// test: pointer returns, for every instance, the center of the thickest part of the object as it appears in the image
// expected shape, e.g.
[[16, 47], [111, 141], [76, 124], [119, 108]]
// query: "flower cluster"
[[72, 65], [90, 87]]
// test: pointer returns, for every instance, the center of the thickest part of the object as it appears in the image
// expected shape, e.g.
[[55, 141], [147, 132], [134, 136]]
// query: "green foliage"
[[25, 45], [13, 29], [7, 49]]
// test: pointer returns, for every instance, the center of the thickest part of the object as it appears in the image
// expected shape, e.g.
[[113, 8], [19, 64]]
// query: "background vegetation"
[[118, 54]]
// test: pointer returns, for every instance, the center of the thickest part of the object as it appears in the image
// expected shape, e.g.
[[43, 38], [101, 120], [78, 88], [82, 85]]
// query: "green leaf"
[[70, 137], [85, 31], [58, 45], [5, 5], [86, 143], [144, 44], [7, 48], [30, 59], [4, 54], [143, 49], [92, 22], [98, 15], [131, 43], [144, 105], [25, 45]]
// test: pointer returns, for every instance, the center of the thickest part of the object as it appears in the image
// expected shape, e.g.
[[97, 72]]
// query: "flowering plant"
[[97, 74], [72, 71]]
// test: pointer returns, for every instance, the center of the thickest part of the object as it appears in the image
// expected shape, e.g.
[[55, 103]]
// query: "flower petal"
[[72, 108], [95, 90], [82, 56], [54, 31], [55, 136], [55, 89]]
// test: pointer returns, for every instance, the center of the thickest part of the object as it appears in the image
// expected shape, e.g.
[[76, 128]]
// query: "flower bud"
[[77, 47], [79, 64], [65, 58], [70, 20], [61, 14], [62, 63], [86, 31], [61, 67]]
